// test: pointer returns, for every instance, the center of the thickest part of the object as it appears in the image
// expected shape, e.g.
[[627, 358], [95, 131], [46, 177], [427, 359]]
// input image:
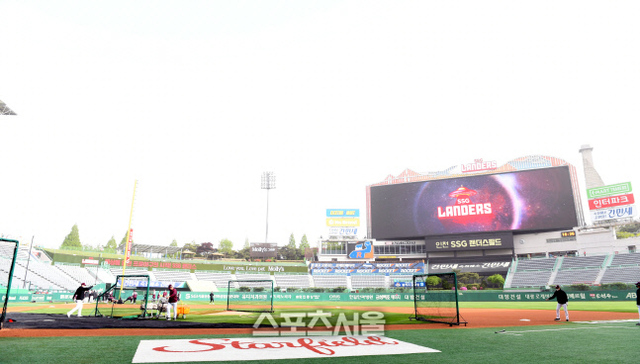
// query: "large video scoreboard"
[[522, 201]]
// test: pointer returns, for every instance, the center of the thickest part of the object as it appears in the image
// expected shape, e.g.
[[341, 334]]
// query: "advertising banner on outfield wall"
[[501, 240], [263, 250], [469, 296], [145, 264], [387, 268], [477, 296], [476, 267]]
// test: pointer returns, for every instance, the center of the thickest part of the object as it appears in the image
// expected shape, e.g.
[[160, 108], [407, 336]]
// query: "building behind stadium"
[[479, 216]]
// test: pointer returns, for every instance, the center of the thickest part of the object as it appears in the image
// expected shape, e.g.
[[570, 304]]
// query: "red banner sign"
[[128, 252], [611, 201]]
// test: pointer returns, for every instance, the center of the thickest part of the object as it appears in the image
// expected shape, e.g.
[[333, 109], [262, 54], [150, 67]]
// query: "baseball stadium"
[[457, 267]]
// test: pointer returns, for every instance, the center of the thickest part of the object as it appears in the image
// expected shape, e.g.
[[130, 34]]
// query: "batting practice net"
[[8, 256], [435, 298], [120, 299], [250, 295]]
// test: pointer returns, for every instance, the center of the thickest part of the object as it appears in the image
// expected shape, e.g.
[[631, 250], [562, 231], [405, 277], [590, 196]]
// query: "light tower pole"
[[268, 183]]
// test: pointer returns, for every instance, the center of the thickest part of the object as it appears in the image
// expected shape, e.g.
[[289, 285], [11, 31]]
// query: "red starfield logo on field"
[[270, 348]]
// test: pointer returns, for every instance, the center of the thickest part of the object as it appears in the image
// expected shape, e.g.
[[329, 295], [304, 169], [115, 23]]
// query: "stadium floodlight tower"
[[268, 183]]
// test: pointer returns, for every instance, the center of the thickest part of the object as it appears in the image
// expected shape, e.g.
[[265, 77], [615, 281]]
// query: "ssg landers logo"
[[464, 207]]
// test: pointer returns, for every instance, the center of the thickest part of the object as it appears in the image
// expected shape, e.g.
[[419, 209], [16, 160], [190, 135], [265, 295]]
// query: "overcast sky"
[[196, 99]]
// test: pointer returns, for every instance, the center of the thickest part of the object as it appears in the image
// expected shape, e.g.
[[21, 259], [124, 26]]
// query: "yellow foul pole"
[[127, 248]]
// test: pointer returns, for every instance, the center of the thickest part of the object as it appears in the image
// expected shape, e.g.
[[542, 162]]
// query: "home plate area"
[[269, 348]]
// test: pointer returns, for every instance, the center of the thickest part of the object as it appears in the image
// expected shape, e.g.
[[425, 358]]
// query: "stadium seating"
[[292, 280], [253, 277], [536, 264], [105, 276], [172, 276], [531, 278], [33, 280], [129, 271], [330, 281], [368, 281], [220, 279], [626, 259], [40, 273], [78, 274], [595, 261], [621, 274], [576, 276]]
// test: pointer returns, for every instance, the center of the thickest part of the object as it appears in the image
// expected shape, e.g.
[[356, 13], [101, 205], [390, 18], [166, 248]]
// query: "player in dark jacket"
[[79, 298], [563, 300], [173, 303], [638, 300]]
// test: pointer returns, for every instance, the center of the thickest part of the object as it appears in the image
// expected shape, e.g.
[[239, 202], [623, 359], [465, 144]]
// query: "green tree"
[[111, 245], [628, 230], [304, 245], [304, 242], [496, 279], [225, 246], [174, 243], [633, 227], [468, 277], [244, 253], [192, 247], [205, 249], [287, 253], [246, 243], [433, 281], [72, 241], [292, 242]]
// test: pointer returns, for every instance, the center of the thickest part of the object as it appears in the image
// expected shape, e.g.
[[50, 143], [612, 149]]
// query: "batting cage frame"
[[117, 306], [435, 298], [256, 298], [9, 278]]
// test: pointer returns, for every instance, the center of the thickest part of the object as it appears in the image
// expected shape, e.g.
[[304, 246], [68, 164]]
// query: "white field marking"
[[525, 320], [603, 321], [519, 333], [270, 348], [228, 313]]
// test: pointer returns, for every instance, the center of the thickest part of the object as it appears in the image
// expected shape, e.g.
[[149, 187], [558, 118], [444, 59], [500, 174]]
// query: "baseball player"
[[173, 303], [563, 300], [79, 298]]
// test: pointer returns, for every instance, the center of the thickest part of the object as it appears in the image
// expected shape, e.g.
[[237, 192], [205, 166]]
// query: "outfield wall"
[[479, 296], [136, 262]]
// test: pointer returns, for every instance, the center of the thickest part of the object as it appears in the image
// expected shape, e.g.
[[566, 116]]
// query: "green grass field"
[[611, 343], [614, 342]]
